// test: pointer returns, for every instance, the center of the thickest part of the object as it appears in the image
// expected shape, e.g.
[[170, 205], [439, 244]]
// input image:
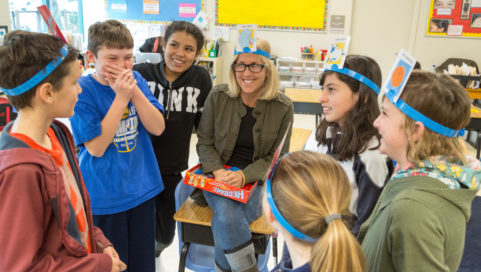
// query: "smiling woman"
[[242, 125]]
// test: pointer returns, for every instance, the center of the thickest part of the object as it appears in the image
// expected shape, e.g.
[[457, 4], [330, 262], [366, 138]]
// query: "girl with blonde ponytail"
[[307, 200]]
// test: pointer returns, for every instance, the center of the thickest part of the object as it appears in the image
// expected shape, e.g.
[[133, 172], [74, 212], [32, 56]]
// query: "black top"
[[244, 147], [186, 96]]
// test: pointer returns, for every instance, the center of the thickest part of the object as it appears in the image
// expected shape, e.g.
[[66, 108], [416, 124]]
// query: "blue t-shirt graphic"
[[127, 174]]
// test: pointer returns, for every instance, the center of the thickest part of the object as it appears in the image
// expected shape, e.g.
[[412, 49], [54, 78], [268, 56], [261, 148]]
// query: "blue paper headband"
[[417, 116], [258, 52], [277, 214], [364, 80], [41, 75]]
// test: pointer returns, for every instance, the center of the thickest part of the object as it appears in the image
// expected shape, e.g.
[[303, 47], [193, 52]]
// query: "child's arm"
[[124, 87], [206, 150], [22, 229]]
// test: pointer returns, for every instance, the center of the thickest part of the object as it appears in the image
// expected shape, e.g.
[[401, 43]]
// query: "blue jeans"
[[230, 223]]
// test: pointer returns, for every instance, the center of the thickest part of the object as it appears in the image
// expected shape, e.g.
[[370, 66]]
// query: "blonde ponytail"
[[306, 188], [337, 250]]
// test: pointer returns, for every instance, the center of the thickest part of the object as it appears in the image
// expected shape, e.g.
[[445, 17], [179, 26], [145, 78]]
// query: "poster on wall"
[[273, 14], [454, 18]]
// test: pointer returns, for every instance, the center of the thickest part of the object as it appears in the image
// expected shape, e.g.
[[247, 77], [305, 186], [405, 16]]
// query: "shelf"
[[298, 73], [214, 66]]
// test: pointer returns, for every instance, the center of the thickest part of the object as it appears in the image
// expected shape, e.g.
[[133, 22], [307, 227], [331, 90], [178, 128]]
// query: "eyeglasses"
[[253, 67]]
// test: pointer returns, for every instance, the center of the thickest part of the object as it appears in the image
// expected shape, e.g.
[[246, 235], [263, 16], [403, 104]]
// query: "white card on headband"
[[337, 52], [201, 20], [399, 75], [246, 38]]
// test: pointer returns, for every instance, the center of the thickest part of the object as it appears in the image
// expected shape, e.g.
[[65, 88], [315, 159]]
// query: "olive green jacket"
[[418, 224], [219, 128]]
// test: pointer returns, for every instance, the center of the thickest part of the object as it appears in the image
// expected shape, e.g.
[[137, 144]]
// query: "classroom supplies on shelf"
[[214, 66], [299, 73]]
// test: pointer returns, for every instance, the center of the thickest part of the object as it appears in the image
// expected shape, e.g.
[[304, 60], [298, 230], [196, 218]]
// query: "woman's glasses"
[[253, 67]]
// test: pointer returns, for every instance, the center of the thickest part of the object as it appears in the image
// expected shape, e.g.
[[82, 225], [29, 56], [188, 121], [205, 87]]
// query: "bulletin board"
[[308, 15], [158, 11], [455, 18]]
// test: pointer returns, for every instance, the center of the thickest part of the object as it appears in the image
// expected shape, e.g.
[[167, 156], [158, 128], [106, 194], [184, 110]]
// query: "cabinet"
[[297, 73], [214, 66]]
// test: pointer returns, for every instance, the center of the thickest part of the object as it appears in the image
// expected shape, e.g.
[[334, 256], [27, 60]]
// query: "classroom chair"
[[195, 254], [471, 261]]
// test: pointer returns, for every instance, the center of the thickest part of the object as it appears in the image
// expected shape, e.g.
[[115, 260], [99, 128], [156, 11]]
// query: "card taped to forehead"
[[246, 38], [278, 152], [337, 52], [399, 75]]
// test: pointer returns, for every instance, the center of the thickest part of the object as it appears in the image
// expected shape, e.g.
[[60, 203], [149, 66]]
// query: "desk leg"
[[478, 144], [274, 248], [183, 256]]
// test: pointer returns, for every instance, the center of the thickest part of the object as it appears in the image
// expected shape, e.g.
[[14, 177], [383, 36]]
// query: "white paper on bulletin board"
[[274, 14]]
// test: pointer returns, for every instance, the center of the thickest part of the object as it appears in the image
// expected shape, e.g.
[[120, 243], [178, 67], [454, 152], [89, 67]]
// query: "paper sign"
[[51, 24], [337, 52], [444, 11], [151, 7], [119, 6], [278, 153], [337, 23], [246, 38], [476, 3], [187, 10], [220, 32], [455, 30], [201, 20], [399, 75]]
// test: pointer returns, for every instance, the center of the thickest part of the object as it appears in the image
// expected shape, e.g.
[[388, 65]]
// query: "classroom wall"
[[434, 50], [287, 43], [4, 14], [379, 28]]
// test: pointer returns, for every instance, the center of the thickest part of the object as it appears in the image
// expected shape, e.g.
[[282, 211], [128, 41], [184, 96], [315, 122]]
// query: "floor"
[[169, 260]]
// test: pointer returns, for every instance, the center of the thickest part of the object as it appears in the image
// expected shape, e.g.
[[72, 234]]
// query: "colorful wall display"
[[273, 14], [454, 18], [153, 11]]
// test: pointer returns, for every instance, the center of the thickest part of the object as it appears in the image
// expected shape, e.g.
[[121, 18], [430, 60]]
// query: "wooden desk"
[[474, 93], [191, 213], [299, 137], [306, 101], [196, 228]]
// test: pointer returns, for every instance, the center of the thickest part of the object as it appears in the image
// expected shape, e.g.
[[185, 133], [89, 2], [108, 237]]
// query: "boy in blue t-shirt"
[[113, 118]]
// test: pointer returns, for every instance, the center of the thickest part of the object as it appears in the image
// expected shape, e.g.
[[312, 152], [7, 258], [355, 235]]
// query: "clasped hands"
[[121, 80], [233, 178]]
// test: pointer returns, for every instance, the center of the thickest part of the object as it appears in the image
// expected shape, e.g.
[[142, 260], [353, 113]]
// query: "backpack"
[[7, 112]]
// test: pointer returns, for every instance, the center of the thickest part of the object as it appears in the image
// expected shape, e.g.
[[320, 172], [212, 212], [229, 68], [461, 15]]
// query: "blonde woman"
[[241, 126], [316, 228]]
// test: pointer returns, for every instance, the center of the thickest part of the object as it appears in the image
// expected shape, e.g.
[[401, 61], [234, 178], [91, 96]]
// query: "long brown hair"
[[307, 187], [443, 100], [358, 128]]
